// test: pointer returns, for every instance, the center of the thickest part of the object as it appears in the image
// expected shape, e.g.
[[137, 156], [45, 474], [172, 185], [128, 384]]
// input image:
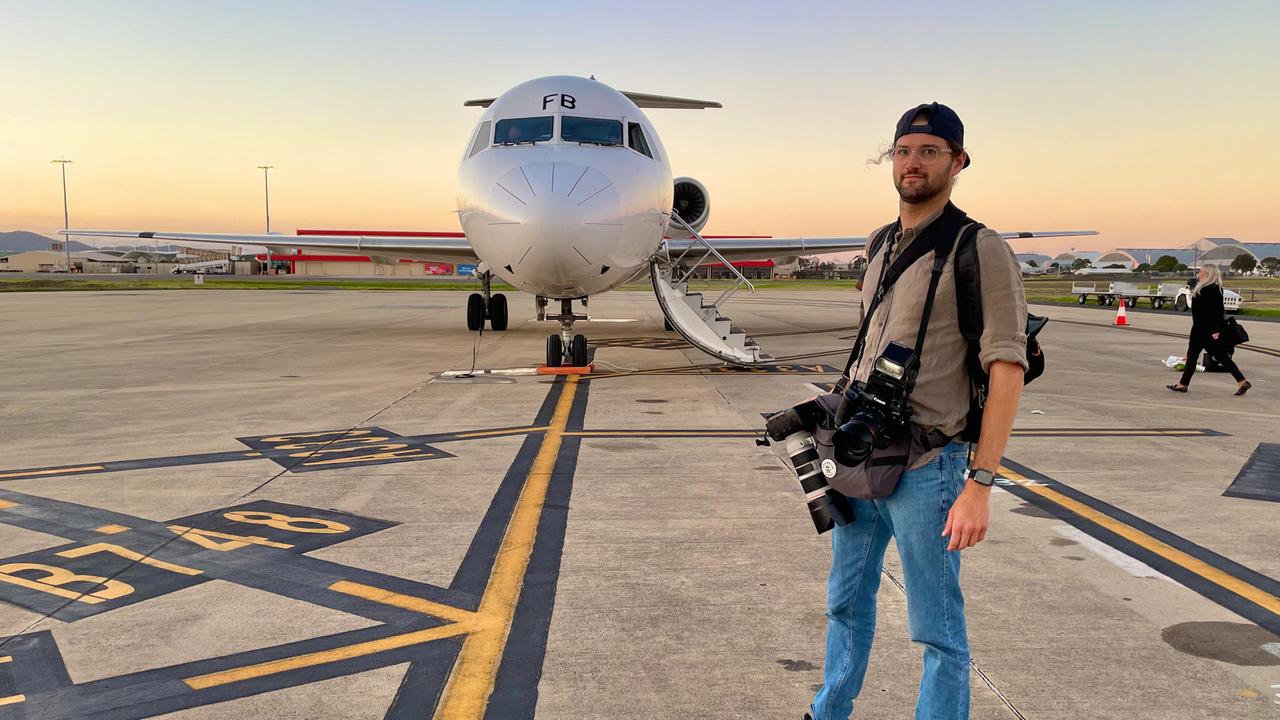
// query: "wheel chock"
[[566, 370]]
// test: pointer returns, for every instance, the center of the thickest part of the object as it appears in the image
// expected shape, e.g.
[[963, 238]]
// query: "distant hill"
[[22, 241]]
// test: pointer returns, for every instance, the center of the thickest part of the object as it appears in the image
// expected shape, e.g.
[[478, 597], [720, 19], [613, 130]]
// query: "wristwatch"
[[982, 477]]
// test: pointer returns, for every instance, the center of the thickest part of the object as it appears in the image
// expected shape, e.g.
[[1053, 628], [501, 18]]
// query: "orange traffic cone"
[[1121, 317]]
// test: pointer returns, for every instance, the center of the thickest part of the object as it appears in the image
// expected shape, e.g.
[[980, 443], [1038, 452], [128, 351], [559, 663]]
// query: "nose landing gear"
[[566, 348], [486, 305]]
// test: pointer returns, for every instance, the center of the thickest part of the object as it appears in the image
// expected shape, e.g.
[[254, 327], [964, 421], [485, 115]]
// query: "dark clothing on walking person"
[[1207, 320]]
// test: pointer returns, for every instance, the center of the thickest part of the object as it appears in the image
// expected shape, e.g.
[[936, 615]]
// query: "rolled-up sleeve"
[[1004, 303]]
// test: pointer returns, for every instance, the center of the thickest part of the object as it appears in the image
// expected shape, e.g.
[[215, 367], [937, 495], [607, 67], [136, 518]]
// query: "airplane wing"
[[754, 248], [644, 100], [1046, 233], [433, 247]]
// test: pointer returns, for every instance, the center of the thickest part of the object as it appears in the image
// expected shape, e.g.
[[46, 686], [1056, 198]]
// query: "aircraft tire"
[[555, 351], [578, 351], [498, 312], [475, 312]]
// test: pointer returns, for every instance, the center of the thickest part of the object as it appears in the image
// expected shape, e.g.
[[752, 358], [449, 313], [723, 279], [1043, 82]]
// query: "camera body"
[[793, 430], [874, 413], [870, 415]]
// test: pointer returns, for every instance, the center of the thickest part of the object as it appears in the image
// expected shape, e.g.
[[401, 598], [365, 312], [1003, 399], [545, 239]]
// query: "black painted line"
[[162, 690], [420, 688], [289, 457], [515, 690], [473, 574], [1193, 581], [1273, 352], [61, 518]]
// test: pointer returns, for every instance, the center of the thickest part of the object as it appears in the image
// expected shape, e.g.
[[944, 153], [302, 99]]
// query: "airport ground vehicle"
[[1176, 294]]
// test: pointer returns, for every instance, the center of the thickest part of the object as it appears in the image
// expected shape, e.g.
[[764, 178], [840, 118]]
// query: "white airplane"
[[565, 192]]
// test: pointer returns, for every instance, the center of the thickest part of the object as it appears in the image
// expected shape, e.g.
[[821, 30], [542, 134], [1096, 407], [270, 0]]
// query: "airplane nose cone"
[[565, 210]]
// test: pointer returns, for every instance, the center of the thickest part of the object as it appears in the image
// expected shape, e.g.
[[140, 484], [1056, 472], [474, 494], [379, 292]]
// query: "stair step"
[[701, 323]]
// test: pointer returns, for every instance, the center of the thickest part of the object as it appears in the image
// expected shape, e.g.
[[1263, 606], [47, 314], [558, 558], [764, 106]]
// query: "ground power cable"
[[197, 526]]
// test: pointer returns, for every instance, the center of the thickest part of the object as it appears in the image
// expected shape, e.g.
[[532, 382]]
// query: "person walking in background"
[[1207, 324]]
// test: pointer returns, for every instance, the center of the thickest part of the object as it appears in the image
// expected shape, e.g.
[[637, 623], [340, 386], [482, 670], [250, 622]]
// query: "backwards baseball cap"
[[939, 120]]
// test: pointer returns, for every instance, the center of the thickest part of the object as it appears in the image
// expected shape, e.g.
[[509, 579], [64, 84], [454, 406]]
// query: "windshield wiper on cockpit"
[[600, 143]]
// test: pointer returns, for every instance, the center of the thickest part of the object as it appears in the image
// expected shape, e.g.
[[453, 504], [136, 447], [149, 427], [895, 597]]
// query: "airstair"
[[696, 319]]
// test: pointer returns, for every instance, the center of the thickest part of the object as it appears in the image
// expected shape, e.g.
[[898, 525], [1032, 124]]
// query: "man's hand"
[[969, 516]]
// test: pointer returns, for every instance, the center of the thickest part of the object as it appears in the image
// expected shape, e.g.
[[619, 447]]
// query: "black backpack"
[[969, 310]]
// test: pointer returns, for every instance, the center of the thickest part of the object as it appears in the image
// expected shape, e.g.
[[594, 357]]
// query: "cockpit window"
[[590, 130], [636, 141], [514, 131], [482, 138]]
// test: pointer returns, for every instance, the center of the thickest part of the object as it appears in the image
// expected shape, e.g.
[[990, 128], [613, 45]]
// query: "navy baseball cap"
[[940, 120]]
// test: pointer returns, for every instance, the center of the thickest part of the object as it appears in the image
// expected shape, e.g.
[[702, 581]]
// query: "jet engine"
[[693, 205]]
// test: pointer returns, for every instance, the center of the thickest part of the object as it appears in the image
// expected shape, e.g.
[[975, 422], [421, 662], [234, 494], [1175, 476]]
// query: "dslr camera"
[[870, 415]]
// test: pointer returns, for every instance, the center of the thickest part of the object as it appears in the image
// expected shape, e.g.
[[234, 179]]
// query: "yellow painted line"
[[395, 642], [111, 529], [6, 504], [253, 454], [463, 621], [405, 602], [12, 699], [375, 457], [1203, 569], [5, 658], [513, 431], [51, 471], [474, 672], [467, 693]]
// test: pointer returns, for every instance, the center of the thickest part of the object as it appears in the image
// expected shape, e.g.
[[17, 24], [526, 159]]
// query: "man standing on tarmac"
[[937, 509]]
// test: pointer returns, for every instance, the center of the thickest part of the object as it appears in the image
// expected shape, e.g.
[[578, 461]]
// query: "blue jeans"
[[914, 514]]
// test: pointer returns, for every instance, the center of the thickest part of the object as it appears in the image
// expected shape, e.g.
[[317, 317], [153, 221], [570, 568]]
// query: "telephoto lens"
[[792, 428]]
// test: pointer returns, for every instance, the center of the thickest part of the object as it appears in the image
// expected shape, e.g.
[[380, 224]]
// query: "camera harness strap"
[[889, 274]]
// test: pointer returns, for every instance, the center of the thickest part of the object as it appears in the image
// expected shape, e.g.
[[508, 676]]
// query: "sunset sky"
[[1153, 122]]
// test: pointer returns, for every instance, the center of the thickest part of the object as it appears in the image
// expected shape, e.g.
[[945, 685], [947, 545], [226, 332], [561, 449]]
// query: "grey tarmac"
[[354, 540]]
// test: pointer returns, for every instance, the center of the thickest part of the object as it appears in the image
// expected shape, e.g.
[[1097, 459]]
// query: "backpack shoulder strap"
[[878, 240], [969, 283], [969, 313]]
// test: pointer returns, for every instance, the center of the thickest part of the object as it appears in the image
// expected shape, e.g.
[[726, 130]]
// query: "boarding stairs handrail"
[[740, 279]]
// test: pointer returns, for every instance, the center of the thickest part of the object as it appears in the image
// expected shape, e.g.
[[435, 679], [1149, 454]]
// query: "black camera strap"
[[939, 237]]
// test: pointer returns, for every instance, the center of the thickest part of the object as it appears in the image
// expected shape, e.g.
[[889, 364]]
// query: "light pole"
[[66, 217], [266, 192]]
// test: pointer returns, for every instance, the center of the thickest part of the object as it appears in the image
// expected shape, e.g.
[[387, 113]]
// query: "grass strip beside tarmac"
[[1262, 296], [234, 283]]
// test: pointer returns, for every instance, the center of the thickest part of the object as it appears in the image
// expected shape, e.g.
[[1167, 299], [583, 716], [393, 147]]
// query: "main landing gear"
[[486, 305], [565, 348]]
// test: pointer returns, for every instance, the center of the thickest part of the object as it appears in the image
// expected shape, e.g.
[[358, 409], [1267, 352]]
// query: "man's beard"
[[922, 191]]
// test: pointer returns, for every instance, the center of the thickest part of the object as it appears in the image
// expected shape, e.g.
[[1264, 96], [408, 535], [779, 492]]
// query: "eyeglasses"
[[926, 153]]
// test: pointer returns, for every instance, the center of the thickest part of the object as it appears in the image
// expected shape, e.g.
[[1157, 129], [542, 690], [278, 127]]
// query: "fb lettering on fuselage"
[[566, 101]]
